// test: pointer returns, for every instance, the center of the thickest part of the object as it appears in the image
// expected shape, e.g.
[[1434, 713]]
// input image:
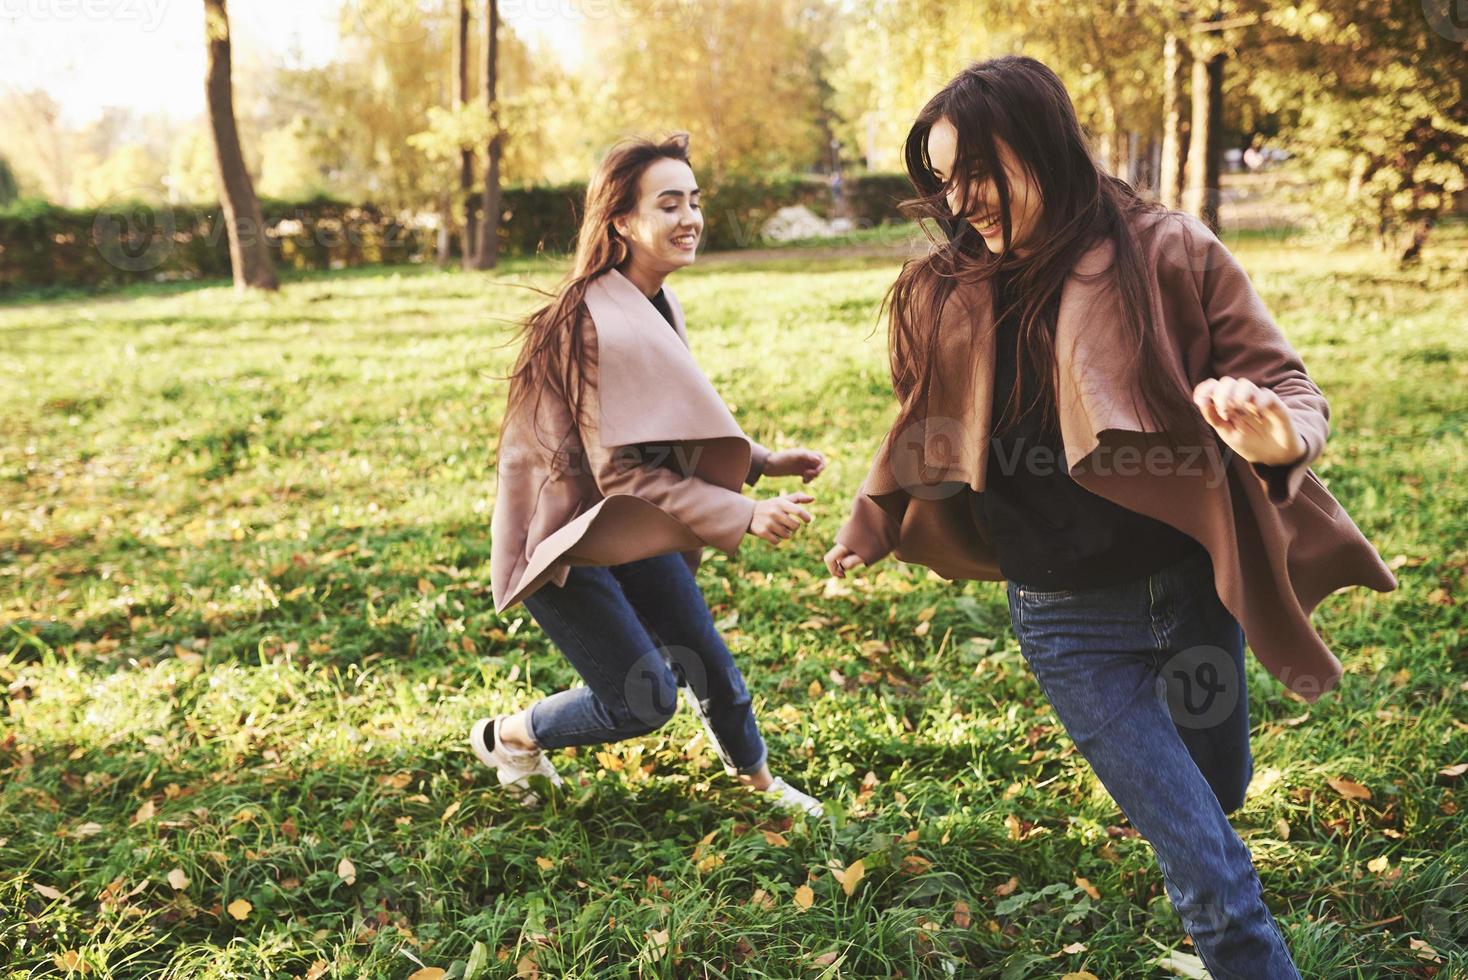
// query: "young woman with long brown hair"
[[617, 464], [1096, 407]]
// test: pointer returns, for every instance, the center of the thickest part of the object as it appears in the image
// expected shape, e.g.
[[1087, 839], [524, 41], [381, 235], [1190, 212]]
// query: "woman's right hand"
[[776, 518], [841, 559]]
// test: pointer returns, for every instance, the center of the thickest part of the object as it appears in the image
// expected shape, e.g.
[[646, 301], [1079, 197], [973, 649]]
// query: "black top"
[[1048, 532], [661, 302]]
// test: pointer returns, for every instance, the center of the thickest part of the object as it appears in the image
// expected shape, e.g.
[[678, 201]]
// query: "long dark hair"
[[1024, 103], [552, 355]]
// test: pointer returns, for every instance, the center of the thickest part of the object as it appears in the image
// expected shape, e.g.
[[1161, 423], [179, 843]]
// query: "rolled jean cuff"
[[764, 757]]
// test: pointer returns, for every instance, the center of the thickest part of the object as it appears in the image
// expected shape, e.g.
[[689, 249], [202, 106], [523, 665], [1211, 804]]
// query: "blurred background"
[[389, 120]]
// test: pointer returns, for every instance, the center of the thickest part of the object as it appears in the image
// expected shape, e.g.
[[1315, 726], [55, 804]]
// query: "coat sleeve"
[[1247, 343], [657, 474], [870, 532]]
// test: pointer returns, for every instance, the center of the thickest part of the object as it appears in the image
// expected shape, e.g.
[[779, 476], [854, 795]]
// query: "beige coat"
[[656, 467], [1280, 542]]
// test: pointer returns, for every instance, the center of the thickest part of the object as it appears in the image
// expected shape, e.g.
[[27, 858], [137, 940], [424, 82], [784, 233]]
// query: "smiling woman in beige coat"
[[617, 464], [1096, 407]]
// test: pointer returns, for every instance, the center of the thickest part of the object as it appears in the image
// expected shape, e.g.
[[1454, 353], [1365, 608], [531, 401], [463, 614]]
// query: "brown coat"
[[602, 500], [1280, 542]]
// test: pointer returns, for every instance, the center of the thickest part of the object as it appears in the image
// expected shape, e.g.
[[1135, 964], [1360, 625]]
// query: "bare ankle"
[[515, 732], [760, 780]]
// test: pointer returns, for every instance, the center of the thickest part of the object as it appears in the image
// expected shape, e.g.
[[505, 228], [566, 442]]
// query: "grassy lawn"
[[245, 624]]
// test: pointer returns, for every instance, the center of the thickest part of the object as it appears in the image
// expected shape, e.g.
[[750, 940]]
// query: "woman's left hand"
[[804, 463], [1253, 421]]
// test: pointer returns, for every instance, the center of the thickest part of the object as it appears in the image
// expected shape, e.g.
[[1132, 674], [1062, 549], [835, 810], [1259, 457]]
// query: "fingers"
[[1230, 402], [841, 559], [833, 560]]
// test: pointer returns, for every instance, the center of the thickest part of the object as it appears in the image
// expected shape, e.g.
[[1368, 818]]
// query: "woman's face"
[[664, 228], [1024, 193]]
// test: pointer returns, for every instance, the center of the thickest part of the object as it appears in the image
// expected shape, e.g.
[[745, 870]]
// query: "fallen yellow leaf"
[[46, 891], [240, 909], [850, 877], [178, 879], [428, 973], [804, 897], [347, 871], [1349, 788]]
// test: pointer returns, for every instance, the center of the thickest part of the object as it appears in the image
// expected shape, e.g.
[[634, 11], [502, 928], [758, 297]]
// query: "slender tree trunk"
[[487, 255], [1170, 183], [462, 95], [1206, 153], [249, 253]]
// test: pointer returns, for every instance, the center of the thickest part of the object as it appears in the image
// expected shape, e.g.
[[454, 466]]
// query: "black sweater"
[[1048, 532]]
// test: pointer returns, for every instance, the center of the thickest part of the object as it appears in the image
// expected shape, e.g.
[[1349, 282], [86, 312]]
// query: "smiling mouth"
[[685, 241], [988, 226]]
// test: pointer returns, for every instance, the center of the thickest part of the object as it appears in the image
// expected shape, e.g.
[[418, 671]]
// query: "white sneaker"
[[514, 766], [789, 798]]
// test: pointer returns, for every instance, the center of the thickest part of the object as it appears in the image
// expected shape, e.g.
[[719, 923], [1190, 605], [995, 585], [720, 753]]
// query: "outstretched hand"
[[841, 559], [777, 518], [1253, 421], [804, 463]]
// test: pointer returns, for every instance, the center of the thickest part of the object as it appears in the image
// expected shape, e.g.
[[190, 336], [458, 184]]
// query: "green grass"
[[245, 622]]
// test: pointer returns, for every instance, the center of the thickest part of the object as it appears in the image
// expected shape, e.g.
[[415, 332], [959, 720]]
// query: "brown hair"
[[552, 355], [1022, 102]]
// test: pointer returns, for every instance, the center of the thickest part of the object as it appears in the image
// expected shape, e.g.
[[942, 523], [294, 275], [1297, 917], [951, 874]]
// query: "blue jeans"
[[636, 633], [1147, 677]]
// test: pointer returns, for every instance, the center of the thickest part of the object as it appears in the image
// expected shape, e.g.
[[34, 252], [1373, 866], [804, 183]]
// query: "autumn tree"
[[248, 250], [1374, 99]]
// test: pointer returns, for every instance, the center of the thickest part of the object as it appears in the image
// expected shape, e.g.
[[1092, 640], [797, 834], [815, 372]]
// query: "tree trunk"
[[249, 253], [1206, 153], [487, 255], [462, 95], [1170, 183]]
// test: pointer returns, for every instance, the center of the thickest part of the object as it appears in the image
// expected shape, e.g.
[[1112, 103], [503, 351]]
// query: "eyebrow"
[[675, 193]]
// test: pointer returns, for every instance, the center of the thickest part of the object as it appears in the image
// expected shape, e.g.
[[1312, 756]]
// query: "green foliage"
[[49, 247], [245, 624], [1376, 112]]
